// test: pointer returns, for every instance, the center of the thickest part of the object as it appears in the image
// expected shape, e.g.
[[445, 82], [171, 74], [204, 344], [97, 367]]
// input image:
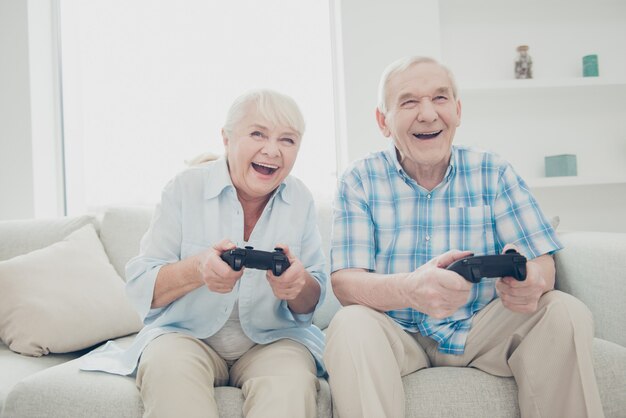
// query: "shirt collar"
[[218, 179], [392, 155]]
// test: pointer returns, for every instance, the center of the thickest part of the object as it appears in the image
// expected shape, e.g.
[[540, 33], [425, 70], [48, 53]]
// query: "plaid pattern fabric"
[[385, 222]]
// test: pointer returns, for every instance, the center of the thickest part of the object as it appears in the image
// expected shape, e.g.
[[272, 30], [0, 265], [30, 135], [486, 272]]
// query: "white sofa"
[[592, 267]]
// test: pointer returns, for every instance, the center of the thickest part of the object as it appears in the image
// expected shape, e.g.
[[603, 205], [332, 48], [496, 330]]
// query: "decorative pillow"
[[63, 298]]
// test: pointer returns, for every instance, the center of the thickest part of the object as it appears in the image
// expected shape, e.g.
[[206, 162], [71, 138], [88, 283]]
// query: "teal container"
[[561, 165], [590, 66]]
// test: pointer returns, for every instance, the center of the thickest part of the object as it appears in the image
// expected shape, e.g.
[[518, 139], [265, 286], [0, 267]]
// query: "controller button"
[[247, 247], [237, 264], [476, 272]]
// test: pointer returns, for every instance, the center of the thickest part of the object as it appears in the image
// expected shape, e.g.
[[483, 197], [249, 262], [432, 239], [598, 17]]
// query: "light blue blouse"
[[199, 208]]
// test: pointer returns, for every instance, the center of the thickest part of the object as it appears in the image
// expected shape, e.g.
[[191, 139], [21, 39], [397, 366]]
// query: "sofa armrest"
[[592, 267]]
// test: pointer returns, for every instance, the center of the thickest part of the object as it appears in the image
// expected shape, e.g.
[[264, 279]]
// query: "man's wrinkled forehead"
[[439, 91], [418, 74]]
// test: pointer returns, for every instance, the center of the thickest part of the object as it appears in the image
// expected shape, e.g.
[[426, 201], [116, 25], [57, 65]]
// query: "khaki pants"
[[177, 373], [547, 352]]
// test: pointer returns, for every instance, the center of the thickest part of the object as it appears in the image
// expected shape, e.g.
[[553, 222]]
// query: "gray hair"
[[277, 108], [401, 65]]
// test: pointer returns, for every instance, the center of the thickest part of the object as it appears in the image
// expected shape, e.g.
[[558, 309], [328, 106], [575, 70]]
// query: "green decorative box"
[[561, 165], [590, 66]]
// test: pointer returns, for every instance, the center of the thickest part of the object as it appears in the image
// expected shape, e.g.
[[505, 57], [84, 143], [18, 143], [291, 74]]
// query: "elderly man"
[[401, 216]]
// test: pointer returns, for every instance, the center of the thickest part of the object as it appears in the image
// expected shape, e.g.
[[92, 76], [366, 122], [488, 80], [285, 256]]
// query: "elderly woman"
[[207, 324]]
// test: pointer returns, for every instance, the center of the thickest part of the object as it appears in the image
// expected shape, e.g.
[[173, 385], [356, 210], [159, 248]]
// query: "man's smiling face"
[[422, 116]]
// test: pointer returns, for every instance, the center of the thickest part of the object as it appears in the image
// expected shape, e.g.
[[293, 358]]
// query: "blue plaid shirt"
[[385, 222]]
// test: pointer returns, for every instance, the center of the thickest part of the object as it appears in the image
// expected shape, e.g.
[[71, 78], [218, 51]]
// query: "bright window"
[[147, 83]]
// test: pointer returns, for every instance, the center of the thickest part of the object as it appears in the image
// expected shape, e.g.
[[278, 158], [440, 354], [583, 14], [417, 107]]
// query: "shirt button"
[[428, 196], [427, 237]]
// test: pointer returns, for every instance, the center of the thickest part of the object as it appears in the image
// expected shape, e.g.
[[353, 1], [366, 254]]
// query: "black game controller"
[[276, 261], [474, 268]]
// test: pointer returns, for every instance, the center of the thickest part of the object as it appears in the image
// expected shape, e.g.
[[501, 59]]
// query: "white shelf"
[[574, 82], [572, 181]]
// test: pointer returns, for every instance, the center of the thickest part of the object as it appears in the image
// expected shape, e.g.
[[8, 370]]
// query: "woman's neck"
[[252, 210]]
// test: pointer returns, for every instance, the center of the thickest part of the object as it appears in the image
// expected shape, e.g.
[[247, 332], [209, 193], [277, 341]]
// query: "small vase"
[[524, 63]]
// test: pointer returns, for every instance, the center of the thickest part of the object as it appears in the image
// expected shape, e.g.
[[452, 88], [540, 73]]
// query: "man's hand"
[[217, 274], [523, 296], [435, 291]]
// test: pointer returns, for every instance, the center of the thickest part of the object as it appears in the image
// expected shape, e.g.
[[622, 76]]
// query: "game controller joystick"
[[237, 258], [474, 268]]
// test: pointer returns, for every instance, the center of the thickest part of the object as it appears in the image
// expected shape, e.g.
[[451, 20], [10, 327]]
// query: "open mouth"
[[427, 135], [265, 169]]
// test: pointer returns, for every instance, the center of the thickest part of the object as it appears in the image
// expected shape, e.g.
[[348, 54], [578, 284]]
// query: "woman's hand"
[[295, 285], [217, 274]]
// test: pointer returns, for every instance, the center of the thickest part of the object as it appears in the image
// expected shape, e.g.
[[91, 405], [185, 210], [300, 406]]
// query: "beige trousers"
[[177, 373], [547, 352]]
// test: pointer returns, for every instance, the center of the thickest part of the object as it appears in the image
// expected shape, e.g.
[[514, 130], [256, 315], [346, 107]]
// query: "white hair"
[[276, 107], [401, 65]]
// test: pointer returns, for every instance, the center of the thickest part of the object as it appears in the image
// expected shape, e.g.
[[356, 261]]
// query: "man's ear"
[[458, 112], [224, 139], [382, 123]]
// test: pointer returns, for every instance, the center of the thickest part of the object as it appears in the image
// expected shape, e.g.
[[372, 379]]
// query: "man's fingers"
[[451, 280], [449, 257], [508, 247]]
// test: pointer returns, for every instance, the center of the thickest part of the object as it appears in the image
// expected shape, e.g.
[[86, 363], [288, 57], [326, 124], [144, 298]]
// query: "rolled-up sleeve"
[[353, 244], [159, 246], [313, 260]]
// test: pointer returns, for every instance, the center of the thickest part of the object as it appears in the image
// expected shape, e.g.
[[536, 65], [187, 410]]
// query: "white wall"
[[585, 208], [372, 35], [16, 176], [30, 175]]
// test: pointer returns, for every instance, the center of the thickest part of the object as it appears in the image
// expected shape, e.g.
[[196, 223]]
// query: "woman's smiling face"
[[260, 153]]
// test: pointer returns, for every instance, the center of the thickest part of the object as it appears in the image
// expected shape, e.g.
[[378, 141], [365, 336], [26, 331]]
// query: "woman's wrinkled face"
[[260, 154]]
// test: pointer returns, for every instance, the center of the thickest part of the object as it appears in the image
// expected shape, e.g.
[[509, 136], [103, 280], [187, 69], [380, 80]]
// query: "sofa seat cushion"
[[65, 391], [475, 394], [15, 367]]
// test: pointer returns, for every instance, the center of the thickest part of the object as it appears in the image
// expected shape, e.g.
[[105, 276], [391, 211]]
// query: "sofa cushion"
[[475, 394], [600, 284], [121, 231], [23, 236], [15, 367], [609, 364], [65, 391], [63, 298]]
